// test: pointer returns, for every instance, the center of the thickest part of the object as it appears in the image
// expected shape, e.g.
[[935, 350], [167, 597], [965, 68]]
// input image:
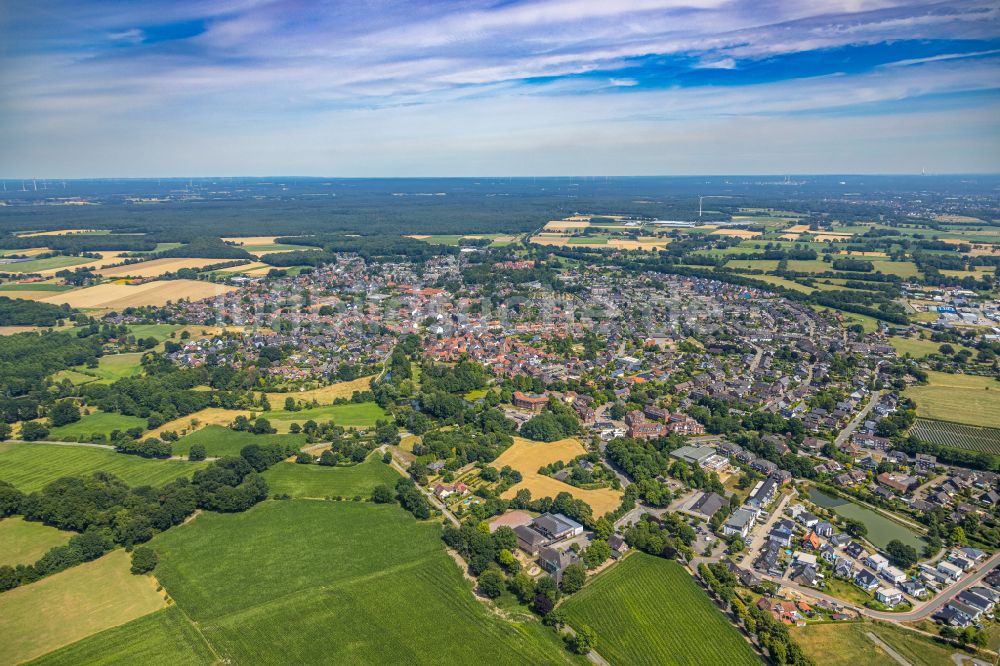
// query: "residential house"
[[555, 561], [890, 596], [740, 522]]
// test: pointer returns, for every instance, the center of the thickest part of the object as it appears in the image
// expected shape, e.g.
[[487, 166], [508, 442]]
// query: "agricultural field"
[[527, 456], [31, 466], [117, 296], [967, 399], [155, 267], [23, 542], [349, 415], [405, 601], [323, 395], [647, 610], [56, 263], [162, 638], [68, 606], [958, 436], [221, 441], [95, 423], [316, 481], [31, 286]]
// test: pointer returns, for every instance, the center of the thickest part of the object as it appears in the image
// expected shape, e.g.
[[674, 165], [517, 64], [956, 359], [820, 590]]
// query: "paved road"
[[760, 531], [859, 419], [756, 359]]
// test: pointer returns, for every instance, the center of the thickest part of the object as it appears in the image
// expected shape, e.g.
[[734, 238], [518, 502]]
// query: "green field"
[[351, 415], [96, 423], [308, 582], [869, 324], [221, 441], [647, 610], [34, 286], [848, 644], [968, 399], [36, 265], [316, 481], [159, 331], [109, 369], [30, 466], [162, 638], [22, 542]]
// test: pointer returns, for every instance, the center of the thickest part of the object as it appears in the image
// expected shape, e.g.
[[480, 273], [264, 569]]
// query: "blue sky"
[[548, 87]]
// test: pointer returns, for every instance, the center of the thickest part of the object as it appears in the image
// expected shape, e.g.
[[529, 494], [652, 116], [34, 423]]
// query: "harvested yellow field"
[[859, 253], [736, 233], [29, 295], [14, 330], [983, 250], [258, 272], [246, 268], [156, 267], [106, 258], [31, 252], [115, 296], [798, 229], [527, 456], [563, 225], [252, 240], [823, 238], [68, 606], [418, 236], [198, 420], [61, 232], [325, 395], [643, 243]]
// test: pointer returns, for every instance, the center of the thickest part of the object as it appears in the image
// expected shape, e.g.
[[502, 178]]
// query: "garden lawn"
[[23, 542], [73, 604], [95, 423], [221, 441], [647, 610], [968, 399], [288, 478], [349, 415], [31, 466], [309, 582], [163, 638]]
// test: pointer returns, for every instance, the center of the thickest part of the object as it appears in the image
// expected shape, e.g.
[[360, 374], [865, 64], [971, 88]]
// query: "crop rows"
[[958, 436], [648, 610]]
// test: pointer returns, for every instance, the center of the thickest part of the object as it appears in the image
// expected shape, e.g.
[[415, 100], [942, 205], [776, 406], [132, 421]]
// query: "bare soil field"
[[527, 456], [114, 296], [563, 225], [156, 267]]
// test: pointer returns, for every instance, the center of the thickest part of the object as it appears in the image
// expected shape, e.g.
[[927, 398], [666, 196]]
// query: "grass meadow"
[[647, 610], [162, 638], [316, 481], [31, 466], [221, 441], [63, 608], [968, 399], [350, 415], [96, 423], [23, 542], [334, 583]]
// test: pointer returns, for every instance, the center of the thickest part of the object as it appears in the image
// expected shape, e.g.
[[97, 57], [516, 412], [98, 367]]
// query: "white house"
[[893, 575], [950, 570], [889, 596], [876, 562]]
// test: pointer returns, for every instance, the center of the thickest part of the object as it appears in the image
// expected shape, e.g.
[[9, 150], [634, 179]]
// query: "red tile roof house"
[[533, 403]]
